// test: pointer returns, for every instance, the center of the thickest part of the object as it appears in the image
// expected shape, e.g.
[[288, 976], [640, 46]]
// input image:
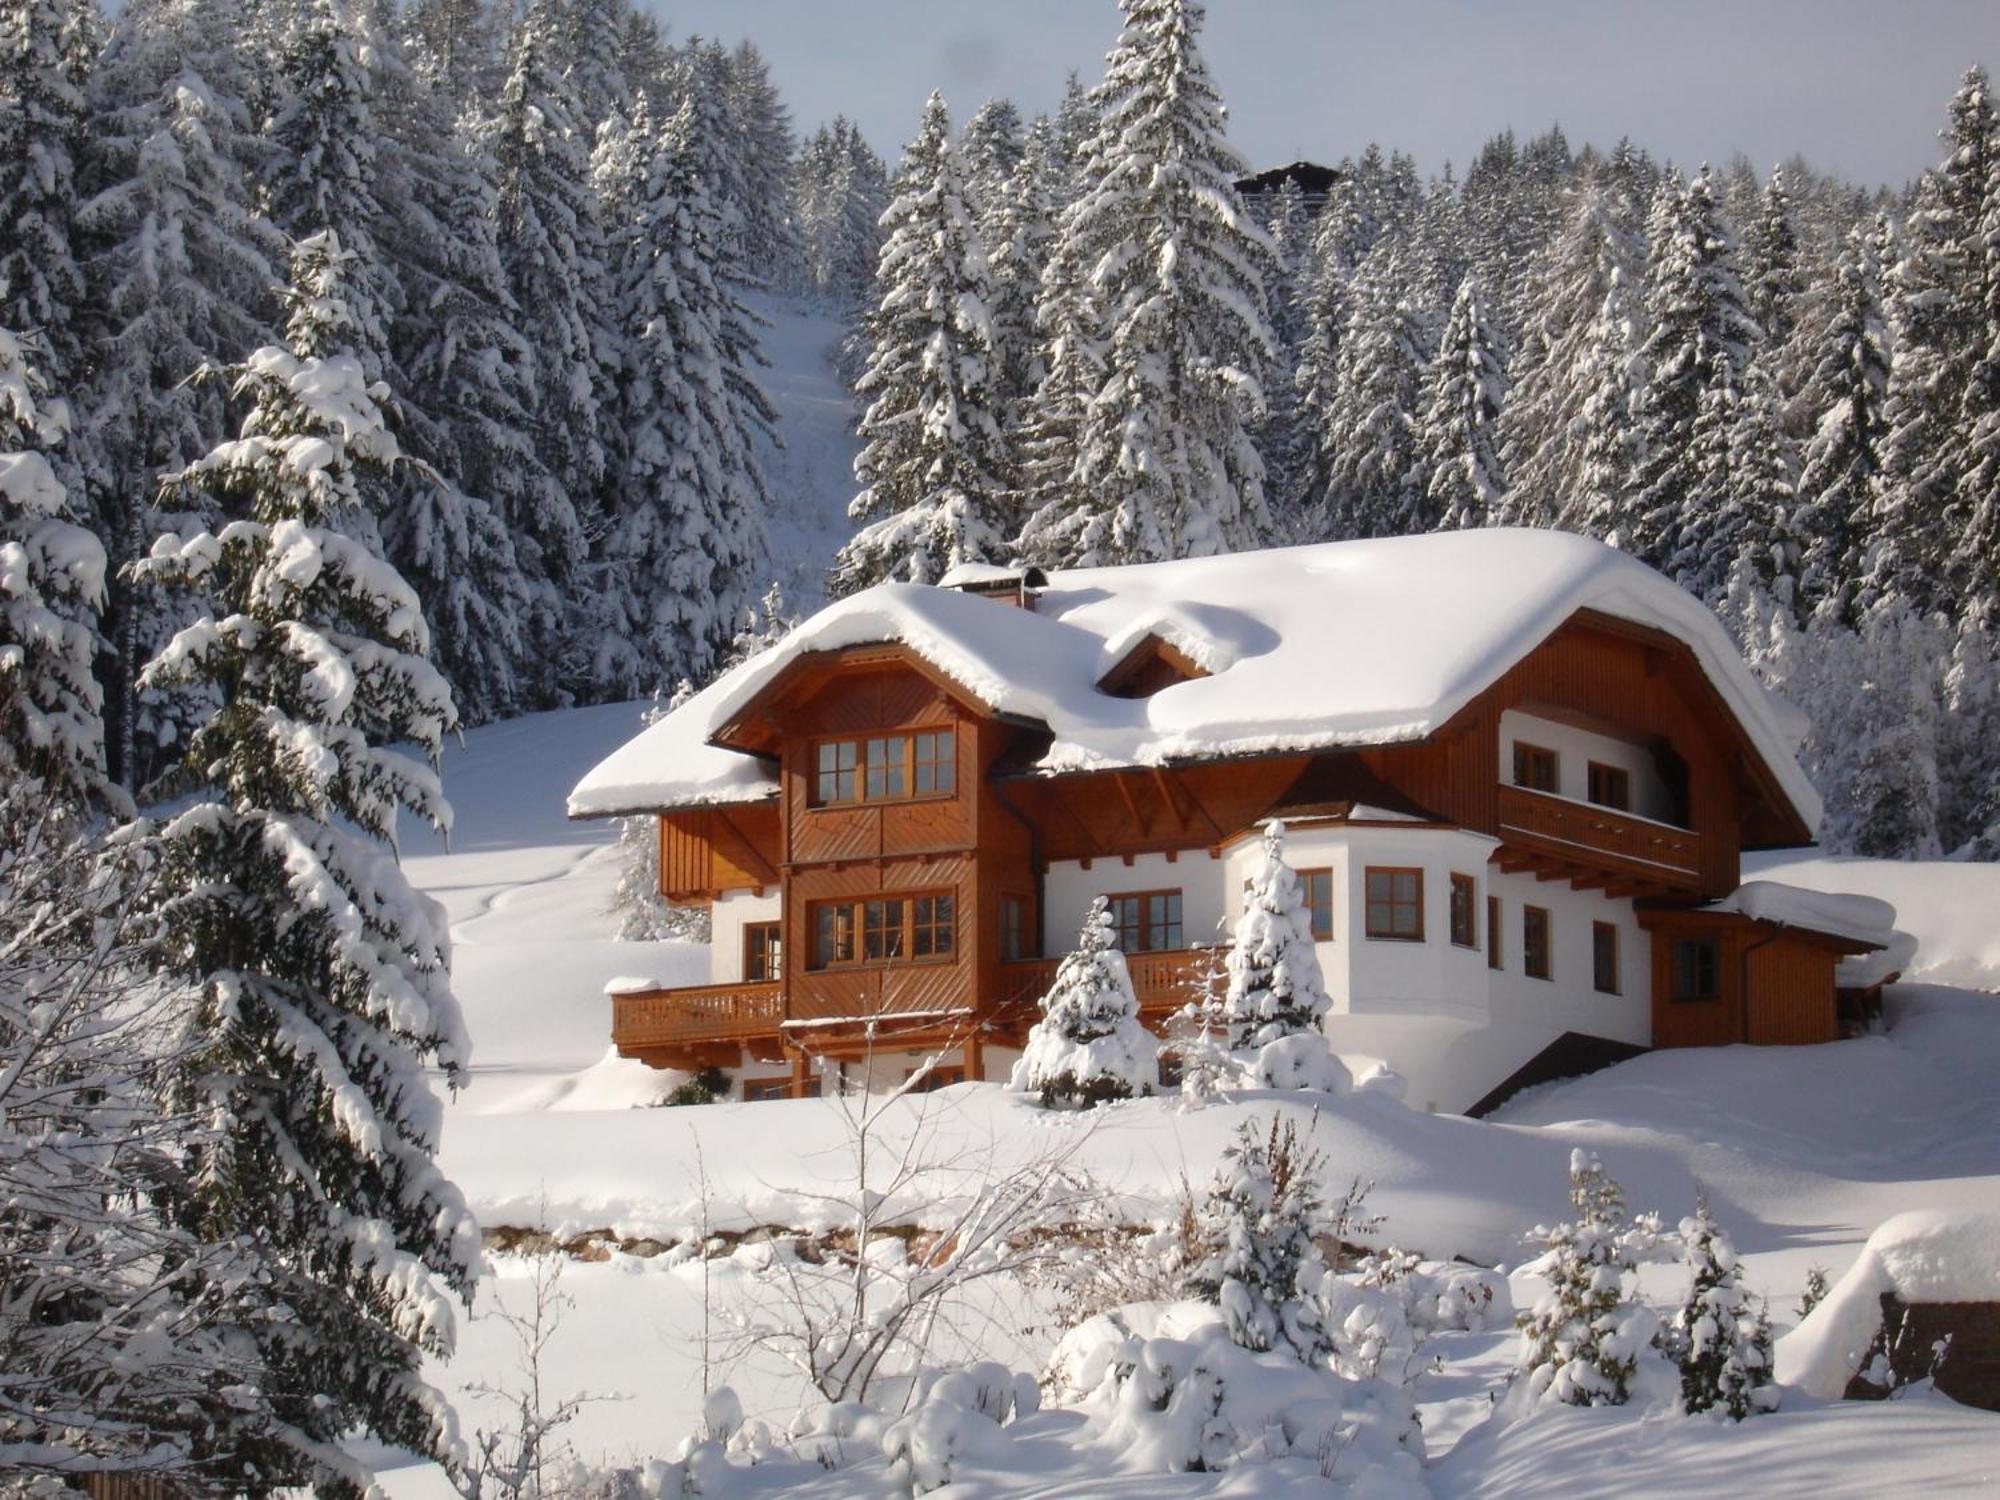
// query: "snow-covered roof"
[[1308, 648], [1921, 1256], [1861, 919]]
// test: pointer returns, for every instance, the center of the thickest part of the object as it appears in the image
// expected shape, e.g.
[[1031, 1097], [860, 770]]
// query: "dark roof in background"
[[1314, 180]]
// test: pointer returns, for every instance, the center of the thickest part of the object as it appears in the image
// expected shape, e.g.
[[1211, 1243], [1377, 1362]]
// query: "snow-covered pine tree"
[[551, 246], [1581, 1342], [455, 44], [590, 38], [1370, 433], [45, 51], [686, 534], [1603, 502], [1076, 123], [1165, 462], [1844, 395], [1089, 1047], [1721, 1343], [1876, 709], [1773, 277], [840, 189], [1570, 356], [1969, 745], [933, 467], [1458, 478], [1019, 236], [1940, 330], [325, 136], [318, 976], [1275, 986], [991, 147], [1746, 493], [1254, 1230], [1973, 565], [457, 344], [180, 268], [51, 579], [765, 149], [1702, 337], [1072, 349], [1284, 436]]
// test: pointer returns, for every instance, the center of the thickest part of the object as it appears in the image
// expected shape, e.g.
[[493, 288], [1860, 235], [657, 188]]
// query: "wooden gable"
[[1151, 664]]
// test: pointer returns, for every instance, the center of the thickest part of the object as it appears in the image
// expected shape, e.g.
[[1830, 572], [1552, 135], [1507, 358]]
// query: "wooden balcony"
[[654, 1019], [1595, 847]]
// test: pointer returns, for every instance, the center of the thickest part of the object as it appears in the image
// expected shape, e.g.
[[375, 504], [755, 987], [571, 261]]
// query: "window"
[[1146, 921], [1610, 786], [1604, 957], [1015, 936], [883, 929], [755, 1089], [1535, 942], [763, 953], [1493, 959], [886, 768], [935, 1079], [1697, 969], [934, 758], [1464, 926], [1396, 904], [1318, 888], [1534, 767]]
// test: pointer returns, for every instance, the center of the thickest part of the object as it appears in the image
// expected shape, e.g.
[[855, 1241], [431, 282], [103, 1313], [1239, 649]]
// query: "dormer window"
[[1148, 667], [885, 768]]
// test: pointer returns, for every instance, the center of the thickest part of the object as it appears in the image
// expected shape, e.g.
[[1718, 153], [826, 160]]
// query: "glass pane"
[[947, 760], [1378, 885], [1379, 918], [1406, 887]]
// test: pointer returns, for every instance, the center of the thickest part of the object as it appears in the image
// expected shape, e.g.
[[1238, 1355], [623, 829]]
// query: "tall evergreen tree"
[[1973, 566], [51, 578], [1702, 337], [456, 45], [1284, 436], [766, 147], [1940, 328], [1844, 393], [1458, 477], [1603, 502], [45, 50], [1019, 238], [319, 974], [1166, 466], [932, 468], [1370, 433], [686, 535], [1773, 279], [991, 148]]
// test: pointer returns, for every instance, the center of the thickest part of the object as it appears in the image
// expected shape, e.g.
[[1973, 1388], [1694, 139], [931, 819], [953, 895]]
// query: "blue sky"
[[1859, 87]]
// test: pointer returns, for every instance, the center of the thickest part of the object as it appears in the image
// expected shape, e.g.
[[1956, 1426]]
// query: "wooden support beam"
[[1124, 786]]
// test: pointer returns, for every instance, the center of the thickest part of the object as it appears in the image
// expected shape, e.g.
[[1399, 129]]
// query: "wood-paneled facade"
[[988, 841]]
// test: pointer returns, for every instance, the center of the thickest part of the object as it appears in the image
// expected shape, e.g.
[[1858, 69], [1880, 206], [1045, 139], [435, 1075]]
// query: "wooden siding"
[[705, 851], [1790, 977], [1600, 837]]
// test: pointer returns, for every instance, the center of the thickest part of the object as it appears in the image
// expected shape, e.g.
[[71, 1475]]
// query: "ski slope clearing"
[[1804, 1151]]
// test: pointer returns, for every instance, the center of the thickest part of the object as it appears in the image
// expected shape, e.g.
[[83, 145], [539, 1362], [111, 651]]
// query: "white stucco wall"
[[1069, 889], [1575, 749], [728, 915]]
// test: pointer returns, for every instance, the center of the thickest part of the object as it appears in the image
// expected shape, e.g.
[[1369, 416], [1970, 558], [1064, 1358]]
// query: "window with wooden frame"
[[1610, 786], [1317, 888], [759, 1089], [1146, 921], [1604, 957], [1536, 768], [1697, 969], [885, 768], [1395, 902], [763, 952], [935, 1079], [1493, 954], [1535, 942], [1464, 921], [883, 929], [1016, 932]]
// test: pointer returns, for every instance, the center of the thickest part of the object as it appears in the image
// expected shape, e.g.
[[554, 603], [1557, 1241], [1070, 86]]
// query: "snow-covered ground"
[[1803, 1150]]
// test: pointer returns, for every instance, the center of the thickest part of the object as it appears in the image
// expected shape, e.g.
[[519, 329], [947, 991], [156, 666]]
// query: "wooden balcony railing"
[[653, 1018], [1590, 834], [1160, 979]]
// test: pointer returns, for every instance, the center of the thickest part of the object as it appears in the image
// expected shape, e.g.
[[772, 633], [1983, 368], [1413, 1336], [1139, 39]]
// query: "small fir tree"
[[1255, 1230], [319, 976], [1089, 1048], [1582, 1340], [1722, 1344], [1275, 985], [1814, 1292]]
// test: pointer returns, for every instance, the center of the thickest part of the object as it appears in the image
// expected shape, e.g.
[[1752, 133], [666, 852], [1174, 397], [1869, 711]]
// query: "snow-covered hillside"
[[1803, 1151]]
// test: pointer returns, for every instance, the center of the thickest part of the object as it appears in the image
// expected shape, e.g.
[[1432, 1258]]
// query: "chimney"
[[1004, 585]]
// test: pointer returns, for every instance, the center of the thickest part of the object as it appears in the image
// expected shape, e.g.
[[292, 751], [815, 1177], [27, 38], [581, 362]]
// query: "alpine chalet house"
[[1517, 770]]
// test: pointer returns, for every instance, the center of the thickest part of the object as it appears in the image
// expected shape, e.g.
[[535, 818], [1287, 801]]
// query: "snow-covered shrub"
[[959, 1417], [1255, 1230], [1275, 985], [1104, 1263], [1814, 1292], [1198, 1036], [1089, 1047], [1169, 1390], [1303, 1060], [1581, 1343], [1722, 1344]]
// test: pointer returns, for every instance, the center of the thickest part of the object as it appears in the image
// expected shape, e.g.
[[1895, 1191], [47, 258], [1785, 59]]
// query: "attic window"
[[1150, 665]]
